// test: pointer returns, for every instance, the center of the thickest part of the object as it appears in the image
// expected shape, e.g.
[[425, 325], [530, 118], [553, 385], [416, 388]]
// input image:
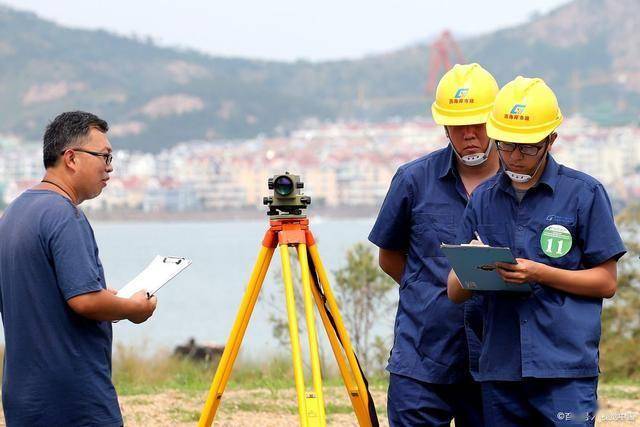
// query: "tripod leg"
[[235, 337], [359, 395], [315, 403], [338, 352], [293, 333]]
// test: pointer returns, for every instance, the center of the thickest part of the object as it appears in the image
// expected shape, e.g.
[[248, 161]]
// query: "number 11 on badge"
[[556, 241]]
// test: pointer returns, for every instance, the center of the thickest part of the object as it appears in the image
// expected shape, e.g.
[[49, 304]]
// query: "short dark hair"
[[67, 129]]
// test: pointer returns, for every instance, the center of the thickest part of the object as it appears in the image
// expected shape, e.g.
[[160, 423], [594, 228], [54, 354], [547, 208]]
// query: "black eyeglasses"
[[108, 157], [526, 149]]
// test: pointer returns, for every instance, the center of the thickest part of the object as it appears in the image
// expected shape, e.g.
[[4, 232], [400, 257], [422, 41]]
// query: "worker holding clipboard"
[[56, 308], [538, 358], [475, 267]]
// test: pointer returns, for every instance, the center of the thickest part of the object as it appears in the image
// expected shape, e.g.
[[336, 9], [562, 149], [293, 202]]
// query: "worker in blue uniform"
[[429, 382], [538, 359]]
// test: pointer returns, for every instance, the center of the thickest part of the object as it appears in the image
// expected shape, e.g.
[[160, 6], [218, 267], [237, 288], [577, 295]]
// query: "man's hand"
[[476, 242], [112, 291], [144, 307], [524, 271]]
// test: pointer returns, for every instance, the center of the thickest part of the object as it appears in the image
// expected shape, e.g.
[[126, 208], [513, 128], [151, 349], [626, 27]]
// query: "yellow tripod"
[[285, 232]]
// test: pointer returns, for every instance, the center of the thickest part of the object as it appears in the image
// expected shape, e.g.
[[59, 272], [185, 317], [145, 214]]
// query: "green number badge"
[[556, 241]]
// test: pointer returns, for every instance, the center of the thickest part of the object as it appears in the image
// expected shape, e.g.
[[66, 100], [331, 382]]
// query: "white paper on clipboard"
[[160, 271]]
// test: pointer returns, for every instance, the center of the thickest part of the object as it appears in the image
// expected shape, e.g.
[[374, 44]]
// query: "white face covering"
[[473, 159], [523, 177], [519, 177]]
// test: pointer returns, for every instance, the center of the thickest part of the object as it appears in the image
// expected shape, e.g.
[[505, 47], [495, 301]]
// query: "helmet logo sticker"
[[518, 108], [460, 97], [462, 92], [556, 241], [517, 113]]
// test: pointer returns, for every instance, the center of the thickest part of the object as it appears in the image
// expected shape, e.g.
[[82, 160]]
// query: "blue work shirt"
[[422, 209], [547, 333], [57, 364]]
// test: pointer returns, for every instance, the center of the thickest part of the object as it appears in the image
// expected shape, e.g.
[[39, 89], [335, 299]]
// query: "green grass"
[[610, 391], [179, 414], [136, 373], [332, 408], [265, 407], [140, 401], [275, 374], [378, 381], [615, 381]]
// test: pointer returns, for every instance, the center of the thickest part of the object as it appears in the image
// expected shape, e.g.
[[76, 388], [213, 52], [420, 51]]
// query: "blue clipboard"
[[475, 264]]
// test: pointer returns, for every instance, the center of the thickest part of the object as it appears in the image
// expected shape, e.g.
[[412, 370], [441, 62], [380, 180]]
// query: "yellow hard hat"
[[464, 96], [526, 111]]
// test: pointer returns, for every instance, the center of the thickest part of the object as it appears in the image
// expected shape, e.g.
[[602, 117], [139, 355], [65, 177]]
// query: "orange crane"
[[441, 51]]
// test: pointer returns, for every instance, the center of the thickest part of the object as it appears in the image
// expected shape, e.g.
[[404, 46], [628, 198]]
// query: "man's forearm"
[[103, 306], [395, 272], [596, 282], [393, 263]]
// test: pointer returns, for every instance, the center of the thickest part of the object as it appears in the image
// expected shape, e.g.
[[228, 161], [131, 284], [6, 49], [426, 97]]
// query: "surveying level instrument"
[[288, 227], [287, 197]]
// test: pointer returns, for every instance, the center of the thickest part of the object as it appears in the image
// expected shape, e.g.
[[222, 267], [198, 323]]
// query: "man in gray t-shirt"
[[56, 309]]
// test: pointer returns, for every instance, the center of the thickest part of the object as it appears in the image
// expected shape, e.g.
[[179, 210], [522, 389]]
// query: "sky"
[[288, 30]]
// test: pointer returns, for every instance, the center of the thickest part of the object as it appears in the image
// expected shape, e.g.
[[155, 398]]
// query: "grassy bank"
[[163, 390], [134, 373], [167, 390]]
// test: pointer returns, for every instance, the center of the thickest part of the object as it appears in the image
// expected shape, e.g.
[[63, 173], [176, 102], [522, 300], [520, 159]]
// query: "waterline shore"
[[248, 214]]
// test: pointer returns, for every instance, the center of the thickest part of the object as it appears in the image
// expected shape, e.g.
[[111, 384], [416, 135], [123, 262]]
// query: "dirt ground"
[[258, 407], [620, 406], [277, 408]]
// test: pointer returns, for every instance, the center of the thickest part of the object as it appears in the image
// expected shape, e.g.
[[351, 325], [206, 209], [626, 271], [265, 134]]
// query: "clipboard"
[[475, 264], [156, 275]]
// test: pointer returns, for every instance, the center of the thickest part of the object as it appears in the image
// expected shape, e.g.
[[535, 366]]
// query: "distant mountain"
[[587, 50]]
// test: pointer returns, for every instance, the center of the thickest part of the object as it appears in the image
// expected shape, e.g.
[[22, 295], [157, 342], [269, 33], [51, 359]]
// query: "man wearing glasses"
[[538, 360], [56, 309]]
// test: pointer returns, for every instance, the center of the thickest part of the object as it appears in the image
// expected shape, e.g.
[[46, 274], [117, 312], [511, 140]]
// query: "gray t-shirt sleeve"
[[73, 252]]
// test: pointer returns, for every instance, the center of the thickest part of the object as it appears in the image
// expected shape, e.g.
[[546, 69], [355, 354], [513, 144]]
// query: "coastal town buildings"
[[343, 164]]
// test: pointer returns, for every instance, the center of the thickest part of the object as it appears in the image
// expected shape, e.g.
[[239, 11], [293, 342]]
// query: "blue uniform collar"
[[448, 167], [548, 179]]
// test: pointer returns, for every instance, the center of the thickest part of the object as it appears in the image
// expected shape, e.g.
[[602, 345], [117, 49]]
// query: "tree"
[[362, 292], [619, 348], [278, 317]]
